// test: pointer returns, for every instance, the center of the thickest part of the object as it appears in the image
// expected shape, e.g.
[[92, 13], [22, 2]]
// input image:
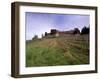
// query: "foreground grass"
[[56, 51]]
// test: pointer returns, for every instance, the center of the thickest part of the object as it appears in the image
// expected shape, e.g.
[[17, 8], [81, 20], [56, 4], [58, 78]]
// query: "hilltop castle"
[[56, 33]]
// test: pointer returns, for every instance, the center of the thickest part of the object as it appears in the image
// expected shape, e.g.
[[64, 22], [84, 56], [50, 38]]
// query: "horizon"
[[39, 23]]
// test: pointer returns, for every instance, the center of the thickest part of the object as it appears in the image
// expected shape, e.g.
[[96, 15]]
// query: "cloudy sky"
[[39, 23]]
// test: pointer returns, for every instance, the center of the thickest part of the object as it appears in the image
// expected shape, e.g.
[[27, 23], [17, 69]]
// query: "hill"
[[63, 50]]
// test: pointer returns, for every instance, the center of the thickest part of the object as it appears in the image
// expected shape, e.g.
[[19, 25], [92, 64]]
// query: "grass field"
[[67, 50]]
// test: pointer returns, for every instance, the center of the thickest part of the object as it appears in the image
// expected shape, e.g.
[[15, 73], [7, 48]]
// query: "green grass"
[[56, 51]]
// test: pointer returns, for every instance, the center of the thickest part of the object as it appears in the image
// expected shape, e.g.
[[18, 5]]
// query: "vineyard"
[[63, 50]]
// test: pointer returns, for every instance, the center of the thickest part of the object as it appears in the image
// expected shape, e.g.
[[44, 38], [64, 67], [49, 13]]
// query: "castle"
[[56, 33]]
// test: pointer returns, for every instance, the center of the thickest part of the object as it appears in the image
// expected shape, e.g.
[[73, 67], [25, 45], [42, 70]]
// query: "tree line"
[[85, 30]]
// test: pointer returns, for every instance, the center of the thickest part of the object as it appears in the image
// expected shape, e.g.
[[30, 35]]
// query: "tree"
[[46, 33], [85, 30], [76, 31], [35, 37], [42, 35]]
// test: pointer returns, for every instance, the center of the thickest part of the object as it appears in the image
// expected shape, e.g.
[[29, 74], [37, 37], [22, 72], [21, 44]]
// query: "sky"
[[39, 23]]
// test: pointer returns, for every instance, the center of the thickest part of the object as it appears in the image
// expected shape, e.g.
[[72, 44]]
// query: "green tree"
[[76, 31], [85, 30]]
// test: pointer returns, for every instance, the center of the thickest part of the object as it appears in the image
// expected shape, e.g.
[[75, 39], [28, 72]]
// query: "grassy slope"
[[57, 51]]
